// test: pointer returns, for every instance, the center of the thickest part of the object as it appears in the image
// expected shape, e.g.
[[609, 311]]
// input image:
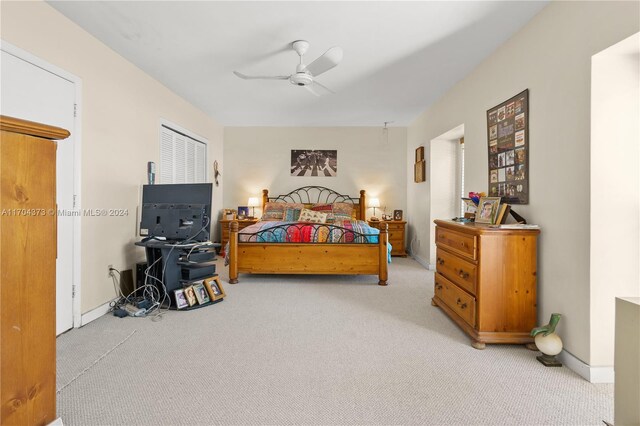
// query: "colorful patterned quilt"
[[347, 231]]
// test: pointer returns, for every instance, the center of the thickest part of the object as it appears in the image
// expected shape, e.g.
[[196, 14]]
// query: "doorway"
[[37, 91], [615, 189], [447, 180]]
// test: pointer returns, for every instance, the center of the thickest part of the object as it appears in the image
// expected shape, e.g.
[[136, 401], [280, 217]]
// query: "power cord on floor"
[[153, 295]]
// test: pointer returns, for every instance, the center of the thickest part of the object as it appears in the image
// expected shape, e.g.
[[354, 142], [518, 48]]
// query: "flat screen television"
[[177, 212]]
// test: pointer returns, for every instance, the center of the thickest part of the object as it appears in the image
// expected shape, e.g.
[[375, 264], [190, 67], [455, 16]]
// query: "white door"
[[32, 93]]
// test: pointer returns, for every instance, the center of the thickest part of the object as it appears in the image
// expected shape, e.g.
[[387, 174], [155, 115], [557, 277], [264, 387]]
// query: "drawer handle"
[[440, 261], [438, 286], [462, 305], [462, 274]]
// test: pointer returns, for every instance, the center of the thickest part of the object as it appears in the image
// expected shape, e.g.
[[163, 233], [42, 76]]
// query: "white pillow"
[[307, 215]]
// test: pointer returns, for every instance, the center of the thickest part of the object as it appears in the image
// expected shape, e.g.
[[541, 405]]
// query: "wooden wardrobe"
[[28, 242]]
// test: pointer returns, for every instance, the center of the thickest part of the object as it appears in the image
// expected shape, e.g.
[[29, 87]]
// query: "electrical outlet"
[[109, 271]]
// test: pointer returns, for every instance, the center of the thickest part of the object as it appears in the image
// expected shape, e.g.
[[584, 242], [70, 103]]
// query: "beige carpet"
[[312, 350]]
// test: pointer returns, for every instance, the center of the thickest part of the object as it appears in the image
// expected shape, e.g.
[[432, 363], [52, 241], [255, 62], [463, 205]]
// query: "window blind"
[[182, 158]]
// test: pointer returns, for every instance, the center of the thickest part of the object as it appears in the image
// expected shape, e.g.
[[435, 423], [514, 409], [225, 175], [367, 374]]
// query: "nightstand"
[[396, 235], [224, 230]]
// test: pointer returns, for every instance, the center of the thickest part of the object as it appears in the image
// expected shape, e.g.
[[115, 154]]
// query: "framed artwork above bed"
[[314, 162]]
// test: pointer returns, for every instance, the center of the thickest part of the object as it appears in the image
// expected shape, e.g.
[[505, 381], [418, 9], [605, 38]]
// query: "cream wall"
[[256, 158], [445, 184], [615, 189], [551, 56], [121, 111]]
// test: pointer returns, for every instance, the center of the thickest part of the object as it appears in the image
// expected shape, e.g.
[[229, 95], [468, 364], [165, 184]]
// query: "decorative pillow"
[[273, 211], [292, 214], [312, 216], [294, 206], [343, 211], [324, 208]]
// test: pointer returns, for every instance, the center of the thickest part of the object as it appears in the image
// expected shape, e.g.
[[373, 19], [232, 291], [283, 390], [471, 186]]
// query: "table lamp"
[[374, 202], [253, 203]]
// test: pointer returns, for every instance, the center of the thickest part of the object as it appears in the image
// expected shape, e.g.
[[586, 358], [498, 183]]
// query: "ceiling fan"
[[305, 74]]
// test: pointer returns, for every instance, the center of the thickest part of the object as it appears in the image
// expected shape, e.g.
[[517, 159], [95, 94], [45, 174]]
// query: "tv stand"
[[173, 263]]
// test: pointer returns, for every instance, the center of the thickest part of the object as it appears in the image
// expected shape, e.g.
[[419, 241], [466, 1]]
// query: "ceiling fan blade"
[[318, 89], [317, 83], [309, 87], [261, 77], [324, 63]]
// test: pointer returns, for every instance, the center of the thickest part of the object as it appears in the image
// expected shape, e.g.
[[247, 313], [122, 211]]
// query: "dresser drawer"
[[463, 244], [396, 238], [397, 247], [395, 226], [458, 300], [458, 270]]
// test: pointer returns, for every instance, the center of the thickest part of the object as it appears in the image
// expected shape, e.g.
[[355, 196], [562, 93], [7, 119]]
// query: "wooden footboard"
[[308, 258]]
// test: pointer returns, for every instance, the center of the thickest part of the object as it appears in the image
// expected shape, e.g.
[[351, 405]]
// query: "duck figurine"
[[548, 342]]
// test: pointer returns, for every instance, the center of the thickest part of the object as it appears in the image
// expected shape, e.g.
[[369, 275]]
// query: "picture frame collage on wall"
[[508, 136], [199, 292], [419, 168]]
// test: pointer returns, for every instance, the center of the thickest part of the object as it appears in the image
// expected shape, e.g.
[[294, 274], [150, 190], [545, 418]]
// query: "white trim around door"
[[77, 130]]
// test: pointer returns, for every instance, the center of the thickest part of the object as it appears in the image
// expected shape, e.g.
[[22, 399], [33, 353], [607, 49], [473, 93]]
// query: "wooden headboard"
[[317, 195]]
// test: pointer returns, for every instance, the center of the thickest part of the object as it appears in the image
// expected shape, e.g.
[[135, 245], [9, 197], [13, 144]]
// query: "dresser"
[[396, 235], [28, 264], [485, 281], [224, 230]]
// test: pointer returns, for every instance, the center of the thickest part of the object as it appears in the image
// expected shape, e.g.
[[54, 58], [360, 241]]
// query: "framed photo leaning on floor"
[[214, 288]]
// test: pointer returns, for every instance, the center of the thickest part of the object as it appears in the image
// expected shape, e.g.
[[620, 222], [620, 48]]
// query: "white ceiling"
[[399, 57]]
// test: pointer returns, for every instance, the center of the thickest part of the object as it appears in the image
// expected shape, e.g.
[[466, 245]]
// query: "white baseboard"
[[422, 262], [94, 314], [586, 371]]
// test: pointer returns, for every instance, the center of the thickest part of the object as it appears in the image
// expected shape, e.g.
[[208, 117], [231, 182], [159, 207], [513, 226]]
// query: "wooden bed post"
[[383, 273], [265, 198], [363, 206], [233, 252]]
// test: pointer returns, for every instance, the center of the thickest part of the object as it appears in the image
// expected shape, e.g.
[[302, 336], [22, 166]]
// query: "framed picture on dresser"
[[243, 211], [487, 210]]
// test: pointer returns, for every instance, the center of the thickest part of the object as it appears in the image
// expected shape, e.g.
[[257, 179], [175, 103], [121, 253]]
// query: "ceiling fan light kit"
[[301, 79], [305, 74]]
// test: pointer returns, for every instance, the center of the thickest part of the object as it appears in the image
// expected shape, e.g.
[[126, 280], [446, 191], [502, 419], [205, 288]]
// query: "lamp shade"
[[253, 202], [374, 202]]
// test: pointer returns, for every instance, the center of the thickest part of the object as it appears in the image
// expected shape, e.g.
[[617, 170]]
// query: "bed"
[[347, 246]]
